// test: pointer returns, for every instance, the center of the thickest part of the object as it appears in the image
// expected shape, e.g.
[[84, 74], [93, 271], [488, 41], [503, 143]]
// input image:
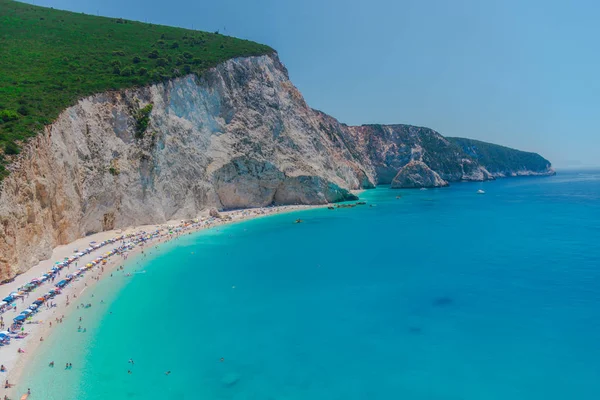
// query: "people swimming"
[[166, 373], [51, 364]]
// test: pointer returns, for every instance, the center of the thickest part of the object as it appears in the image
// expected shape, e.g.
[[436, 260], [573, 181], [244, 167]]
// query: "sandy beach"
[[42, 322]]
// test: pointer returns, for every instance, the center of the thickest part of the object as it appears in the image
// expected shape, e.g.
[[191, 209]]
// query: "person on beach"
[[2, 368]]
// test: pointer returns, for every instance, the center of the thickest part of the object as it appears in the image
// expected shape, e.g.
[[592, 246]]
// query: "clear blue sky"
[[522, 74]]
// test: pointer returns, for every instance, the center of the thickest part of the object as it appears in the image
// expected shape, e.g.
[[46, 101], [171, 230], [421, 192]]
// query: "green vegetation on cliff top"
[[498, 159], [49, 59]]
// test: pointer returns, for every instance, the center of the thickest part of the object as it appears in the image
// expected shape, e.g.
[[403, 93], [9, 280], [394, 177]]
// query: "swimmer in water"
[[168, 373]]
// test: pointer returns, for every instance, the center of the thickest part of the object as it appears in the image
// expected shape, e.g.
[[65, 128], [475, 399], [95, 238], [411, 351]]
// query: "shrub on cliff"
[[11, 148], [142, 120], [127, 71], [8, 115]]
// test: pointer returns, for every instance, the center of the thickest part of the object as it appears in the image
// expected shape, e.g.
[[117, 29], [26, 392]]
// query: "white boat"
[[480, 191]]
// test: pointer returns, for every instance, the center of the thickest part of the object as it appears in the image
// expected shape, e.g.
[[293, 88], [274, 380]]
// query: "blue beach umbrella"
[[19, 318]]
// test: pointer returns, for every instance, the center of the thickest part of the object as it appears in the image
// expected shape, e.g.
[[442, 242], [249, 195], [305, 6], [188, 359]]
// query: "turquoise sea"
[[441, 294]]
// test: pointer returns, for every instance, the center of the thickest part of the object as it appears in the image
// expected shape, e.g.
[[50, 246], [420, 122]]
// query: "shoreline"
[[41, 327]]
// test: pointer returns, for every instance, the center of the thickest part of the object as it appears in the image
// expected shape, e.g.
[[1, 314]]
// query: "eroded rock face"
[[239, 136], [247, 182], [416, 174], [390, 147]]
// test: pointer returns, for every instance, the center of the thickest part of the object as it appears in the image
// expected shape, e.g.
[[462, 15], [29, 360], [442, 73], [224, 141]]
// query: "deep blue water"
[[441, 294]]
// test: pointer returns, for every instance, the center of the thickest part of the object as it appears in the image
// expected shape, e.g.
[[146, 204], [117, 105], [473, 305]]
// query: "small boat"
[[480, 191], [361, 203], [331, 208], [298, 221]]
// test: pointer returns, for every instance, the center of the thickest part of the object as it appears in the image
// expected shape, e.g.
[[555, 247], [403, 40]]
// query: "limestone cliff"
[[388, 148], [240, 135], [417, 174], [502, 161]]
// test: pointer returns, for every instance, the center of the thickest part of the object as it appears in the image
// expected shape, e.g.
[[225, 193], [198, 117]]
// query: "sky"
[[525, 74]]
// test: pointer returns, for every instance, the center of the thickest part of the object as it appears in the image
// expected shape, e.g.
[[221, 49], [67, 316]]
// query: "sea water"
[[437, 294]]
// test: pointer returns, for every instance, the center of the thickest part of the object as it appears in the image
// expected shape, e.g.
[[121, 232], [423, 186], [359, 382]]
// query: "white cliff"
[[239, 136]]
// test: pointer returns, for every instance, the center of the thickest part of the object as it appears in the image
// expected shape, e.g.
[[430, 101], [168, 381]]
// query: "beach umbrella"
[[33, 306], [25, 312], [19, 318]]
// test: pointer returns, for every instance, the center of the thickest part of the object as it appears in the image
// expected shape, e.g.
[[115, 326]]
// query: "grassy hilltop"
[[51, 58]]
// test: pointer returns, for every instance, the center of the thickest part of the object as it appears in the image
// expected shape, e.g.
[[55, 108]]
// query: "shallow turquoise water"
[[442, 294]]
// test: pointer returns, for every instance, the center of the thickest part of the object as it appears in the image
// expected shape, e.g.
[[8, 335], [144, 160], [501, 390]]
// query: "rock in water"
[[416, 174]]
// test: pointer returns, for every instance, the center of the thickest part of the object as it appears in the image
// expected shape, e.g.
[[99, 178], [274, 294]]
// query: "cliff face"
[[417, 174], [388, 148], [239, 136], [502, 161]]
